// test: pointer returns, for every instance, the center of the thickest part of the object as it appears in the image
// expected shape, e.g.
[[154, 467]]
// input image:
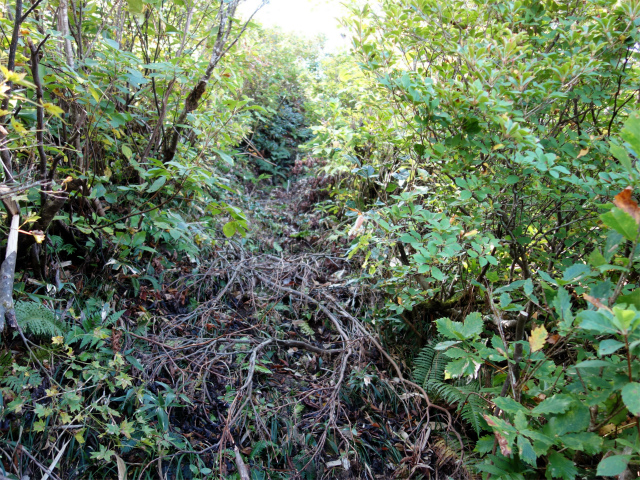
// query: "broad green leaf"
[[561, 467], [589, 442], [621, 222], [157, 185], [509, 405], [525, 450], [528, 287], [135, 6], [473, 325], [632, 298], [450, 329], [613, 465], [576, 419], [437, 273], [556, 404], [224, 156], [631, 132], [607, 347], [622, 155], [596, 322], [229, 229], [631, 397]]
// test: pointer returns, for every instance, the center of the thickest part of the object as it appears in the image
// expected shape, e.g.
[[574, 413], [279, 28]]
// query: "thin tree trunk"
[[8, 272], [220, 48], [63, 28]]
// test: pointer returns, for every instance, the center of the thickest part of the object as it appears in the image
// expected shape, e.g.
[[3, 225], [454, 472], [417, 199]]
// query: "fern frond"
[[35, 318], [306, 329], [260, 446], [430, 365]]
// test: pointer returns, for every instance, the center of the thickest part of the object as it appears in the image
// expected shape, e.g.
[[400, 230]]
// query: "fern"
[[35, 318], [260, 447], [306, 329], [430, 365]]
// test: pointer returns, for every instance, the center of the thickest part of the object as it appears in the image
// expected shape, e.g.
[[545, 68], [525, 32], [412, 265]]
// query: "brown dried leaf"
[[583, 152], [626, 203], [553, 339], [595, 302]]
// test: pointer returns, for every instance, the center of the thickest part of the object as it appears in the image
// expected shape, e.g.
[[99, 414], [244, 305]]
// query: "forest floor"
[[278, 366]]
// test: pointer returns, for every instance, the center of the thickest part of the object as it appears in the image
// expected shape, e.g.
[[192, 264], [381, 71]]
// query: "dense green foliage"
[[481, 156]]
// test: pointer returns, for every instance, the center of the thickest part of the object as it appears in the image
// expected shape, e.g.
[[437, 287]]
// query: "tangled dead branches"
[[276, 357]]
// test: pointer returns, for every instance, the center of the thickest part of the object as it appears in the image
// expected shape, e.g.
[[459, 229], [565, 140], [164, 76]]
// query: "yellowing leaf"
[[18, 127], [583, 152], [57, 340], [498, 146], [53, 109], [79, 437], [38, 235], [537, 338]]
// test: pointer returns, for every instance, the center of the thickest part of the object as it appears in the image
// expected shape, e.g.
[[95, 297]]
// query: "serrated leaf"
[[525, 450], [538, 338], [621, 222], [473, 325], [631, 132], [631, 397], [450, 329], [576, 419], [509, 405], [561, 467], [556, 404]]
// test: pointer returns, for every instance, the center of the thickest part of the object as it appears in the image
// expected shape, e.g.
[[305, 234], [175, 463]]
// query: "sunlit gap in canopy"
[[308, 18]]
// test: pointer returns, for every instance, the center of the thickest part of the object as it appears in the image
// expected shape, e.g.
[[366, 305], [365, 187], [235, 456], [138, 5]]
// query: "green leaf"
[[622, 155], [588, 442], [224, 156], [135, 6], [134, 361], [607, 347], [613, 465], [621, 222], [576, 419], [561, 467], [528, 287], [632, 298], [509, 405], [596, 321], [437, 273], [512, 179], [230, 229], [450, 329], [473, 325], [631, 397], [631, 132], [526, 451], [556, 404], [157, 185]]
